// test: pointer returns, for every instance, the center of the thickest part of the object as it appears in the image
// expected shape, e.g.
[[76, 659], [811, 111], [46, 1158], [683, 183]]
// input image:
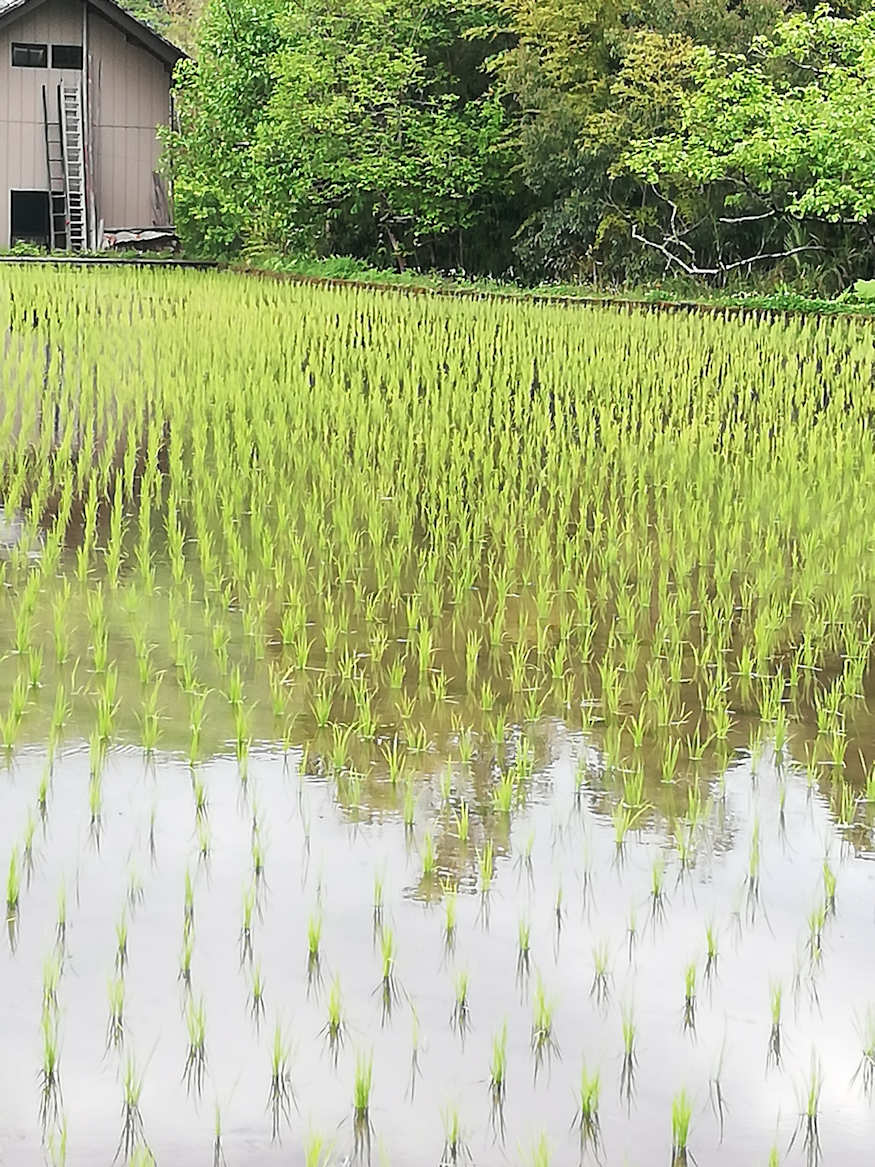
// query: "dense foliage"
[[612, 139]]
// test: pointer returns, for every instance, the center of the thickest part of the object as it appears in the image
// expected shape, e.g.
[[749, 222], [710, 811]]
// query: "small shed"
[[83, 87]]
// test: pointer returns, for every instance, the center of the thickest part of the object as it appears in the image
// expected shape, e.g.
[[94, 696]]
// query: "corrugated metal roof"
[[120, 16]]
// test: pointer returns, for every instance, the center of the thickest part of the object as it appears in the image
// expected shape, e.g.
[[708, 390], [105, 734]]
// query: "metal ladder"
[[70, 100], [57, 181]]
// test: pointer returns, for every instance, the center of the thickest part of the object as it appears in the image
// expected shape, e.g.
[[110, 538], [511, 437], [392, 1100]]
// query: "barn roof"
[[136, 29]]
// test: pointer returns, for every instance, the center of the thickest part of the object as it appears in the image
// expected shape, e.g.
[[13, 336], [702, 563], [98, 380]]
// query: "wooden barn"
[[83, 87]]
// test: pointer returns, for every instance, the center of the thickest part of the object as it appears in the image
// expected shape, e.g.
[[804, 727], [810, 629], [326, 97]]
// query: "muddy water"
[[323, 846]]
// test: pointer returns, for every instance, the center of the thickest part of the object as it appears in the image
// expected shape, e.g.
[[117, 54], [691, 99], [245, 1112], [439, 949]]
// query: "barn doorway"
[[30, 217]]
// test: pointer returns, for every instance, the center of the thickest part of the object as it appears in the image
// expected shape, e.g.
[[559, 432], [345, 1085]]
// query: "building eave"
[[137, 30]]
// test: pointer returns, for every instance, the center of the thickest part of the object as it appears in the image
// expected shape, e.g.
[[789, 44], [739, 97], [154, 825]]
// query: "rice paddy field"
[[432, 732]]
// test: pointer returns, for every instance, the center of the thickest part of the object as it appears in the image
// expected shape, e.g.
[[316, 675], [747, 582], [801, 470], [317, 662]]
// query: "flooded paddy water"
[[432, 732]]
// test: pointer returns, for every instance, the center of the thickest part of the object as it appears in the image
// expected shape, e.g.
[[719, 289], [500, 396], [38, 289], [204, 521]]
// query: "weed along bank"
[[83, 87]]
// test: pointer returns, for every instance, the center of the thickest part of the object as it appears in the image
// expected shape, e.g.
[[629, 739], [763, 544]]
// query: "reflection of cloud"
[[14, 534]]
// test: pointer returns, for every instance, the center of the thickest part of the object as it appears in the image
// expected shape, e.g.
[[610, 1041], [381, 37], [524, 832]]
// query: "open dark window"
[[30, 56], [66, 56], [30, 217]]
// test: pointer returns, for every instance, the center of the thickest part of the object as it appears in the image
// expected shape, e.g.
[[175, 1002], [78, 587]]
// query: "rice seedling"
[[249, 902], [450, 914], [690, 998], [809, 1098], [460, 1018], [829, 888], [415, 1043], [865, 1070], [335, 1026], [773, 1056], [314, 937], [196, 1055], [455, 1149], [121, 943], [657, 888], [711, 950], [388, 985], [61, 922], [463, 822], [115, 1025], [486, 867], [281, 1096], [816, 924], [361, 1106], [587, 1118], [498, 1079], [51, 978], [601, 973], [630, 1057], [681, 1118], [409, 809], [428, 857], [132, 1132], [544, 1044], [539, 1152]]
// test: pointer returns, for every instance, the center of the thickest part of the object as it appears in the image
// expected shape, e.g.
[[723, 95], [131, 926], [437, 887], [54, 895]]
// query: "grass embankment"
[[856, 301]]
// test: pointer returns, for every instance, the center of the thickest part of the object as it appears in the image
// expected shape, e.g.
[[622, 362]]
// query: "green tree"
[[366, 127], [586, 75], [772, 153]]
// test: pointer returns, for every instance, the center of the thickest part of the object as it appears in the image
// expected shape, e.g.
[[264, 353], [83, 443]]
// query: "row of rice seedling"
[[393, 540]]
